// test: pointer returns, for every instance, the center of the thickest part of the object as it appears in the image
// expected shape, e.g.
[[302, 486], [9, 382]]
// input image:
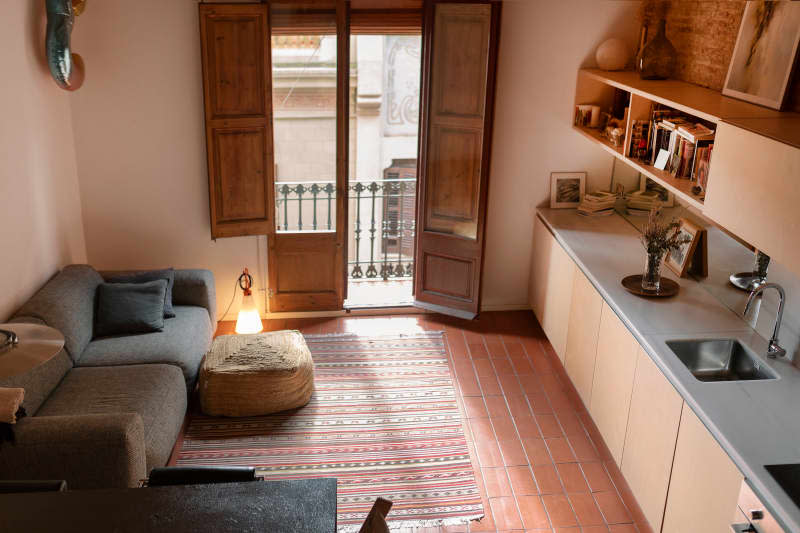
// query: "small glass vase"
[[651, 279], [657, 59]]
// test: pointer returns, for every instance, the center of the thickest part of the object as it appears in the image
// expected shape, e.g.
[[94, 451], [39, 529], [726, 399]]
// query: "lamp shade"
[[249, 320]]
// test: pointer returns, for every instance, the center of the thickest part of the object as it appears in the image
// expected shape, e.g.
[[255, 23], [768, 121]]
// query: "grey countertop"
[[756, 422]]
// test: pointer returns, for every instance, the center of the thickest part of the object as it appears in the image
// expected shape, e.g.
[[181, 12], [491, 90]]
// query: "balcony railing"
[[381, 223]]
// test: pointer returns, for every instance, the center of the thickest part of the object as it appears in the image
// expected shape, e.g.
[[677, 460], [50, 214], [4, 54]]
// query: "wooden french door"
[[457, 110], [307, 269]]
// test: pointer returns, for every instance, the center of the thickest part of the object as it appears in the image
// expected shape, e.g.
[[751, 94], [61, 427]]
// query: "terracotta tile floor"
[[539, 460]]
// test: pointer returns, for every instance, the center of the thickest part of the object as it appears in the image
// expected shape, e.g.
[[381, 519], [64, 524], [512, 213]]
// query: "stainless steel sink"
[[720, 360]]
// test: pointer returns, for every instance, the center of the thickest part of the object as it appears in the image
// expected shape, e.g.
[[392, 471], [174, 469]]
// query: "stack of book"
[[687, 146], [640, 203], [597, 204]]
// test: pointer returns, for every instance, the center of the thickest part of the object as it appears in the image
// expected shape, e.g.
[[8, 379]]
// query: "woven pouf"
[[251, 375]]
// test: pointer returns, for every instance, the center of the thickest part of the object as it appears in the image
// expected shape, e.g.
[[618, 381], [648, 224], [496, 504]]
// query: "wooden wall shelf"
[[752, 188], [598, 87], [682, 188], [691, 99]]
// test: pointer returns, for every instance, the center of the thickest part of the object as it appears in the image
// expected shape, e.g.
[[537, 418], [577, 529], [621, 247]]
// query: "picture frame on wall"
[[567, 189], [680, 259], [764, 56], [665, 196]]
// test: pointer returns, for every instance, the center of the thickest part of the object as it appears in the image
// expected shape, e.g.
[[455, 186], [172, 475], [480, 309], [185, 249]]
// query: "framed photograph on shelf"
[[567, 189], [679, 260], [646, 184], [765, 51]]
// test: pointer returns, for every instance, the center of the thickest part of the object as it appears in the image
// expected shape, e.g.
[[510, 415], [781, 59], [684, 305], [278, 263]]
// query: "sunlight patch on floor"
[[378, 293]]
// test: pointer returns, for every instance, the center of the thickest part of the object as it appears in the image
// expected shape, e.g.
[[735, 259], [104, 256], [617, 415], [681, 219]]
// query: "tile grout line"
[[519, 439]]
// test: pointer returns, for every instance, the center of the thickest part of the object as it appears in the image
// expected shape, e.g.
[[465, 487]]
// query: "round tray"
[[634, 284]]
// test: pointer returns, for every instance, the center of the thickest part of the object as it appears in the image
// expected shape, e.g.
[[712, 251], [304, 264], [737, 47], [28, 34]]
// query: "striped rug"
[[383, 420]]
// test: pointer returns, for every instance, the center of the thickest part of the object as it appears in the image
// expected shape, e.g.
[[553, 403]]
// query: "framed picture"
[[666, 197], [567, 189], [765, 51], [678, 260]]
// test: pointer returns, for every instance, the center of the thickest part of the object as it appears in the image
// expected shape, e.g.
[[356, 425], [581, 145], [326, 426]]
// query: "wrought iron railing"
[[381, 226]]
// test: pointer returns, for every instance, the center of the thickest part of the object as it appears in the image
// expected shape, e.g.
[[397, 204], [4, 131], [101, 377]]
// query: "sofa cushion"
[[196, 287], [183, 343], [151, 275], [155, 392], [66, 303], [127, 308]]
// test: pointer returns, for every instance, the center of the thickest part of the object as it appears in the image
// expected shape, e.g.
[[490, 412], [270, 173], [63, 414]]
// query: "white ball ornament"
[[612, 54]]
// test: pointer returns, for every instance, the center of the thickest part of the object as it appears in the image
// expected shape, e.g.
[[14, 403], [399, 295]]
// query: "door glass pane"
[[382, 188], [304, 126]]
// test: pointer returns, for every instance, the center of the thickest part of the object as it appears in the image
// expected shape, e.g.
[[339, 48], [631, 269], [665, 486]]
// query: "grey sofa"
[[105, 411]]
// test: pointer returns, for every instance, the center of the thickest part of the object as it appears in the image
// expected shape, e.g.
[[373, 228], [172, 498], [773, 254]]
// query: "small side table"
[[36, 345]]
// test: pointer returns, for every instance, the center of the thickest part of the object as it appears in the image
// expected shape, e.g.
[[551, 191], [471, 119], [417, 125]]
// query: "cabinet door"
[[550, 291], [705, 483], [584, 324], [753, 192], [614, 371], [653, 420]]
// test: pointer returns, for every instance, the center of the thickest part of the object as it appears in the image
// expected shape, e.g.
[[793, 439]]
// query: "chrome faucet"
[[774, 349]]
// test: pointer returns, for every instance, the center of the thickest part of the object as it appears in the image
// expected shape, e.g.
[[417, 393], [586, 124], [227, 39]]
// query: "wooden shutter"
[[458, 97], [235, 41], [386, 22]]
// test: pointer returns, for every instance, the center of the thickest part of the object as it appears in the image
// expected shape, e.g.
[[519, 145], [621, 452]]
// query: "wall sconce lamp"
[[249, 321]]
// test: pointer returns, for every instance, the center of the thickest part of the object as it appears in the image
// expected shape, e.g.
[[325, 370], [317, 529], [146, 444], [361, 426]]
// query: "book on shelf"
[[682, 158], [696, 132], [702, 164], [667, 129], [640, 140], [661, 138]]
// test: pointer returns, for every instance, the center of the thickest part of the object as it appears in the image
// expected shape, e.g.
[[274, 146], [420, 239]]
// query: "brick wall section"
[[704, 34]]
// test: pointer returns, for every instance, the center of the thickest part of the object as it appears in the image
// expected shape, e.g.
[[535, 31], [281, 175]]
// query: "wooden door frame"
[[342, 136], [428, 20]]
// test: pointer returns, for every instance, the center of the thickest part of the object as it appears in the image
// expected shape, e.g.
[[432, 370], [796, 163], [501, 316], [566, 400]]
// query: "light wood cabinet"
[[584, 324], [681, 477], [614, 370], [550, 291], [753, 192], [705, 483], [652, 430]]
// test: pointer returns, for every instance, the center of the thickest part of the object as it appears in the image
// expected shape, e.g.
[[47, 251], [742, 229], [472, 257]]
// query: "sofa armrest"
[[196, 287], [88, 451]]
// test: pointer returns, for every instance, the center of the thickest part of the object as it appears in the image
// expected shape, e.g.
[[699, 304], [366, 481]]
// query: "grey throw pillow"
[[151, 275], [125, 308]]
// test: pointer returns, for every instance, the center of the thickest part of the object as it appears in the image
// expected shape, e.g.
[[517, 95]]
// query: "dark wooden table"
[[290, 506]]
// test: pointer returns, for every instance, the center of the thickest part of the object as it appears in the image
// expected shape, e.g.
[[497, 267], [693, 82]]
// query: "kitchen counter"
[[756, 422]]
